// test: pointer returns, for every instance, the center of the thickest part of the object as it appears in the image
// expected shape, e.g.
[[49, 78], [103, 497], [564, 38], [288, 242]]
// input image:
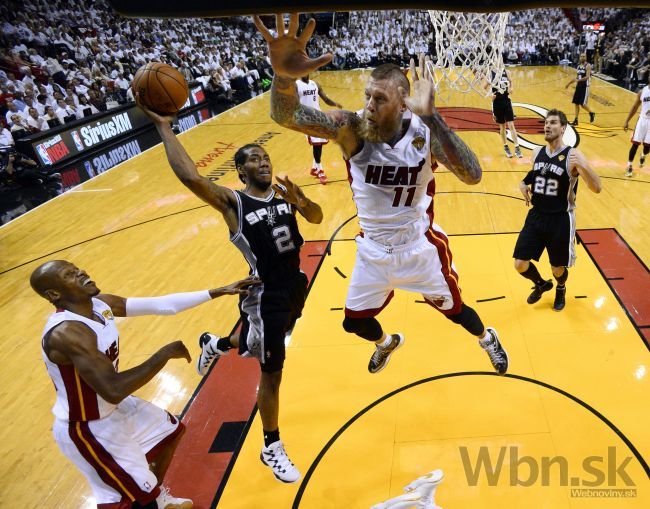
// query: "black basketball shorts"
[[581, 95], [553, 232], [267, 314], [502, 110]]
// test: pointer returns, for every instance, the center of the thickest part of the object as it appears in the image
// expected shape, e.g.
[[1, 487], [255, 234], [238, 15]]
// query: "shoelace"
[[493, 351], [280, 460], [164, 491], [209, 354]]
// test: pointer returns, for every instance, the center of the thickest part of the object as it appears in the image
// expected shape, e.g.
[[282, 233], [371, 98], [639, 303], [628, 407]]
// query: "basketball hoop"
[[469, 46]]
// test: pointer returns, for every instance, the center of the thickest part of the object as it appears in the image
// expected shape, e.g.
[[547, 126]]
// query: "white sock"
[[313, 164], [386, 341], [319, 166]]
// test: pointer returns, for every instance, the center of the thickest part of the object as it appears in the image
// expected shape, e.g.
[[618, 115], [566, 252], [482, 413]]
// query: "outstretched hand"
[[239, 287], [156, 118], [291, 192], [422, 99], [287, 50]]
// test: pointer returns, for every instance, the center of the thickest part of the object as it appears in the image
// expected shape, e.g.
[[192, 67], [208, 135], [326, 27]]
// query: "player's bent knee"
[[521, 265], [367, 327]]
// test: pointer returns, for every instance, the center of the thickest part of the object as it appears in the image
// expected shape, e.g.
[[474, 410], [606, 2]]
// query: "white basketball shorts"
[[642, 131], [424, 266], [114, 452]]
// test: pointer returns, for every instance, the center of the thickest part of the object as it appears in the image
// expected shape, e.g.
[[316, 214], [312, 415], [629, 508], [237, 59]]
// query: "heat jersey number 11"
[[410, 193]]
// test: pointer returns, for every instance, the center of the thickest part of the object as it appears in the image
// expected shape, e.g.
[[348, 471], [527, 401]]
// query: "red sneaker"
[[322, 177], [314, 172]]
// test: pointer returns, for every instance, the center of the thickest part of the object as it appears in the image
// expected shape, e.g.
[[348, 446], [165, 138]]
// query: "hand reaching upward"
[[287, 50], [422, 99]]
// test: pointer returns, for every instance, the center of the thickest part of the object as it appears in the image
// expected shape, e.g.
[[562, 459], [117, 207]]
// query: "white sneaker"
[[166, 501], [276, 457], [426, 487], [209, 352], [406, 501]]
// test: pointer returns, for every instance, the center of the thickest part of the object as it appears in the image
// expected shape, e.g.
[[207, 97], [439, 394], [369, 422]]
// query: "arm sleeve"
[[165, 304]]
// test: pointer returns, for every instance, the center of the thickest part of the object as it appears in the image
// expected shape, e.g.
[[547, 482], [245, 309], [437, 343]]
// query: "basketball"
[[161, 88]]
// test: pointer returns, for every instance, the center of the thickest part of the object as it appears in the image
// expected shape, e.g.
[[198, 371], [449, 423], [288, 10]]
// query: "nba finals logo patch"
[[107, 314], [418, 142], [562, 157]]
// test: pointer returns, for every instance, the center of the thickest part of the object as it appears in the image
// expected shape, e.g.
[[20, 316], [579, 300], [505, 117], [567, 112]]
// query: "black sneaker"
[[560, 300], [497, 354], [506, 149], [592, 117], [518, 152], [382, 354], [575, 121], [538, 290]]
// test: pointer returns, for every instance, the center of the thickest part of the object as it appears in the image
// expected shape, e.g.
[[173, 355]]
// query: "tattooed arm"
[[451, 151], [338, 125]]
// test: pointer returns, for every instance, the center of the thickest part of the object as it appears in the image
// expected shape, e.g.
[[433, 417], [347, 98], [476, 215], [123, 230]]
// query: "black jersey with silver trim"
[[553, 187], [268, 237]]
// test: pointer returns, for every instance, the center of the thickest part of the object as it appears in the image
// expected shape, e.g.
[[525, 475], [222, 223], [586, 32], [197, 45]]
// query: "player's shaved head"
[[391, 72], [46, 276]]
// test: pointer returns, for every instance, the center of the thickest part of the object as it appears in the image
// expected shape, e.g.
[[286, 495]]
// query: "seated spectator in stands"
[[56, 71], [19, 102], [64, 112], [52, 118], [19, 127], [6, 139], [122, 85], [11, 110], [85, 109], [96, 98], [36, 121]]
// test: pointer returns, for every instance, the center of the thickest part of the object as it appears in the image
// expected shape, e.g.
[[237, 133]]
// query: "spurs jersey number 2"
[[268, 237], [75, 399], [554, 188], [393, 187]]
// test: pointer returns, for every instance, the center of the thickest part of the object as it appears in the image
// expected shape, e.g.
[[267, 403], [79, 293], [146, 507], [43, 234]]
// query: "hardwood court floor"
[[138, 232]]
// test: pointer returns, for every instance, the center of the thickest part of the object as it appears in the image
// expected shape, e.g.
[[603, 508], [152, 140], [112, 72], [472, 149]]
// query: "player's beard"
[[376, 133]]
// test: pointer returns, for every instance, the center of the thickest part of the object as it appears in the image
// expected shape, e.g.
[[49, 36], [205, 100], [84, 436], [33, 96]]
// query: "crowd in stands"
[[62, 60]]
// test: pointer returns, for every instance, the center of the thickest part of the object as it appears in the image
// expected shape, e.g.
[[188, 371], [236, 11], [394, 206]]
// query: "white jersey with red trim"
[[308, 93], [645, 102], [75, 399], [393, 187]]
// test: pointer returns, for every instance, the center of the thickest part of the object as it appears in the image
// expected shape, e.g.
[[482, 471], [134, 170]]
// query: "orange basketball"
[[161, 88]]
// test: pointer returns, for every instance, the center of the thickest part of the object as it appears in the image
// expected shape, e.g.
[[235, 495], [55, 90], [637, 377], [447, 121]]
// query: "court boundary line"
[[312, 468]]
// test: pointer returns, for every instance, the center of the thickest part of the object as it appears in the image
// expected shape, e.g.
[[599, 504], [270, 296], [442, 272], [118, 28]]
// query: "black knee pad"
[[367, 328], [469, 319]]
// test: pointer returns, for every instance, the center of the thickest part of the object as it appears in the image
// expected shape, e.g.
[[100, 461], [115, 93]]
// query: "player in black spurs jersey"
[[581, 94], [550, 224], [503, 114], [262, 223]]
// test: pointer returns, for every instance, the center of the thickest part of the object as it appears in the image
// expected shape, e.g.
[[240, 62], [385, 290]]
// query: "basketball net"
[[469, 46]]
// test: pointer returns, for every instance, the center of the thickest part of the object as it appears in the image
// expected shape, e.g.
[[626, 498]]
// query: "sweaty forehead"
[[256, 151], [383, 86]]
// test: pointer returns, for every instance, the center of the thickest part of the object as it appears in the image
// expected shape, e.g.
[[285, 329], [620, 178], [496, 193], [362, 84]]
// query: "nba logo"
[[77, 140], [42, 152], [89, 169]]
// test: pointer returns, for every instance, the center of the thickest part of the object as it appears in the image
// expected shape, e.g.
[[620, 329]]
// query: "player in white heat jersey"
[[642, 130], [111, 436], [309, 91], [390, 149]]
